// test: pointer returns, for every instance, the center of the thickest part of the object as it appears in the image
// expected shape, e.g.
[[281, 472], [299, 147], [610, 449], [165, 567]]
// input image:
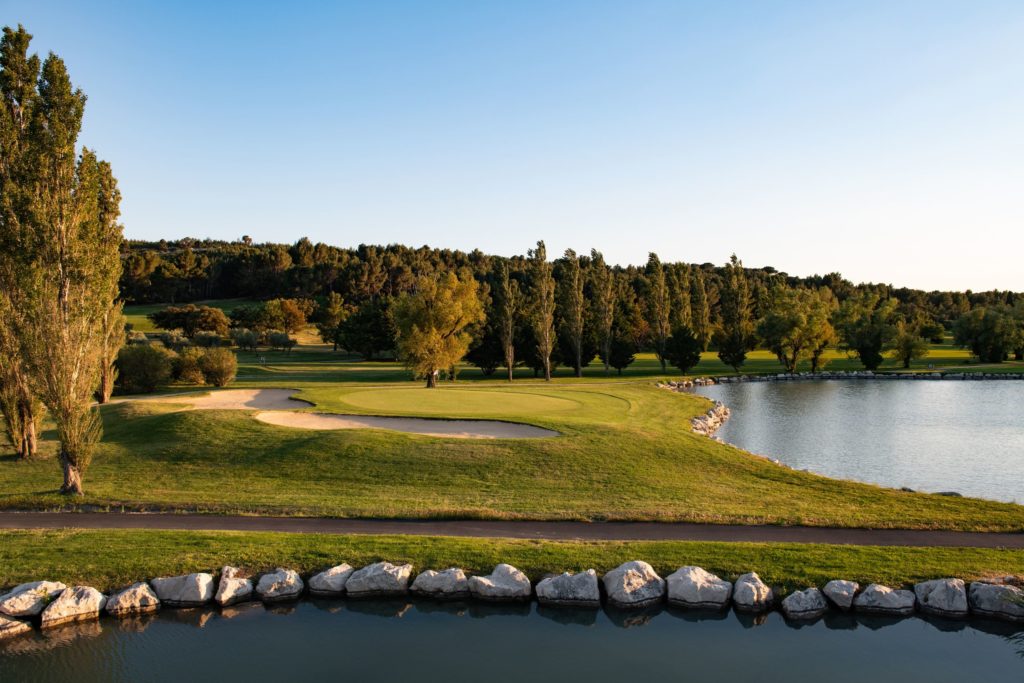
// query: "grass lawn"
[[625, 453], [111, 559]]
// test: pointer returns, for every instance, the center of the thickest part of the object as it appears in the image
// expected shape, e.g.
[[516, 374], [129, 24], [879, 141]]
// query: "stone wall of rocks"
[[633, 585]]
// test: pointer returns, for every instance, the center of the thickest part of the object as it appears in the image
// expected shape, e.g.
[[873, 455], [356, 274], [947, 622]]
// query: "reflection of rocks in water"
[[482, 610], [877, 622], [944, 624], [137, 623], [697, 615], [798, 624], [52, 638], [195, 616], [751, 619], [570, 616], [395, 608], [840, 621], [631, 618], [327, 605], [239, 609], [280, 608], [996, 627], [456, 608]]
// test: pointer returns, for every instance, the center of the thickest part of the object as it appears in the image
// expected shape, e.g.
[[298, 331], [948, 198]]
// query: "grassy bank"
[[110, 559], [625, 453]]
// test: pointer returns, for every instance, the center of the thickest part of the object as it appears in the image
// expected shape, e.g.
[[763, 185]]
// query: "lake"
[[416, 641], [933, 436]]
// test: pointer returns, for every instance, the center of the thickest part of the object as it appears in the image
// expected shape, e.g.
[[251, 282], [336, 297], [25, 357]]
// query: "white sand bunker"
[[459, 429], [243, 399]]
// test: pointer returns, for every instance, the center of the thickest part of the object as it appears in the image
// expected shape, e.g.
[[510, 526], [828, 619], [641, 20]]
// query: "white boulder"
[[12, 627], [504, 583], [232, 588], [698, 589], [138, 598], [381, 578], [331, 582], [634, 584], [997, 600], [280, 586], [449, 584], [29, 599], [580, 590], [841, 593], [878, 599], [806, 604], [945, 597], [189, 590], [751, 594], [81, 603]]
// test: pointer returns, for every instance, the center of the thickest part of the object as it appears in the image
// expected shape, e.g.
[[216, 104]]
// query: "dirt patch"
[[459, 429]]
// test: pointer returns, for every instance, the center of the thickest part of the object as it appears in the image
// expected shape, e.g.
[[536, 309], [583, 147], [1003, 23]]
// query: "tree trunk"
[[432, 379], [547, 369], [72, 477], [30, 443]]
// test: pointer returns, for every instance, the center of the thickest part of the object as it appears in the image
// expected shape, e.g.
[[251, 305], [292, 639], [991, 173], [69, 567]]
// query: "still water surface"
[[401, 641], [930, 436]]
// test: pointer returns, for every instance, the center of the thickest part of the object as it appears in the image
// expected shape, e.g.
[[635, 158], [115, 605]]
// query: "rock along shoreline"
[[633, 585]]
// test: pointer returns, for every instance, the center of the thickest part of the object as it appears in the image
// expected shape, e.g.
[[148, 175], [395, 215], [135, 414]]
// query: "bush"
[[683, 349], [219, 366], [207, 340], [244, 338], [174, 340], [187, 367], [281, 341], [144, 367]]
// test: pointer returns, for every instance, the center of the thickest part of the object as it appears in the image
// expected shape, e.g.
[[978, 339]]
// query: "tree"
[[658, 307], [114, 324], [282, 341], [329, 316], [736, 335], [191, 319], [368, 331], [700, 309], [622, 353], [908, 344], [604, 304], [287, 314], [508, 304], [20, 409], [432, 323], [990, 332], [683, 349], [796, 326], [219, 366], [678, 276], [823, 334], [542, 308], [60, 209], [866, 327], [573, 308]]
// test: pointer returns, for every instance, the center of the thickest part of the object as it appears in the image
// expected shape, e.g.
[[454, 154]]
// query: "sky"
[[882, 140]]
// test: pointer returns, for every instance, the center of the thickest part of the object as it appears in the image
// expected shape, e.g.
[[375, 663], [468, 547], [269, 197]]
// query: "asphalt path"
[[561, 531]]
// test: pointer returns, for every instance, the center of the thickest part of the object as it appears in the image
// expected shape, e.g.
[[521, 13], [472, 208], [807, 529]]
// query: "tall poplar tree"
[[508, 308], [61, 240], [573, 307], [658, 308], [679, 293], [542, 308], [736, 335], [700, 309], [605, 296]]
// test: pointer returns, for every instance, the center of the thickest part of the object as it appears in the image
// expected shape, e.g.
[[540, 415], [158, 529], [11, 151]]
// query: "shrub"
[[244, 338], [281, 341], [144, 367], [187, 366], [174, 340], [219, 366], [207, 340], [137, 338]]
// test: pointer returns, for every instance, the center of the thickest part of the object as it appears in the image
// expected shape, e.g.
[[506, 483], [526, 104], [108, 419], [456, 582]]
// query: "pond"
[[403, 641], [934, 436]]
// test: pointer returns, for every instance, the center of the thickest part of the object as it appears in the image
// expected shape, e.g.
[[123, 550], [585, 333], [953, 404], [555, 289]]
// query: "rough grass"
[[626, 453], [111, 559]]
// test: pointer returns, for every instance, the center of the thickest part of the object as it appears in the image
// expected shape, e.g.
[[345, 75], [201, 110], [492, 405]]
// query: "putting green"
[[456, 402]]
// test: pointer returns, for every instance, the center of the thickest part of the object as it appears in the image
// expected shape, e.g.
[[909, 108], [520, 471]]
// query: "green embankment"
[[111, 559]]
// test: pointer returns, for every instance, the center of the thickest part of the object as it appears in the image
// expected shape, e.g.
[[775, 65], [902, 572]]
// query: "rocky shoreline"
[[843, 374], [631, 586]]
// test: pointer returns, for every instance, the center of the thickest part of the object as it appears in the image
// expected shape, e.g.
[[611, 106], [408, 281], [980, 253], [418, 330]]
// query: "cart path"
[[561, 531]]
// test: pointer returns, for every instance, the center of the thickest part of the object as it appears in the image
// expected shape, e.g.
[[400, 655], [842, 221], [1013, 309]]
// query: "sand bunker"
[[459, 429], [279, 405]]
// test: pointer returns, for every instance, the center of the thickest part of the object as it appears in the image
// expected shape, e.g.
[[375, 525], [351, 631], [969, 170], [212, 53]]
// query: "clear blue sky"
[[884, 140]]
